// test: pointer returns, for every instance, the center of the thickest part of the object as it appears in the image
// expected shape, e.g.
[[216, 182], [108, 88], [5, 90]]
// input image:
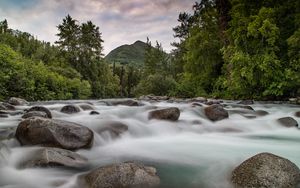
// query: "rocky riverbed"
[[150, 142]]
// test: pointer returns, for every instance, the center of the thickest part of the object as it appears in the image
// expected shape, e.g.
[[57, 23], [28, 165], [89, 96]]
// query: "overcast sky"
[[120, 21]]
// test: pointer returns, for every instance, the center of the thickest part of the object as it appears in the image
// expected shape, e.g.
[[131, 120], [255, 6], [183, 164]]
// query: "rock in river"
[[70, 109], [288, 122], [54, 133], [171, 114], [215, 112], [124, 175], [266, 170], [49, 157], [40, 109], [17, 101], [35, 114]]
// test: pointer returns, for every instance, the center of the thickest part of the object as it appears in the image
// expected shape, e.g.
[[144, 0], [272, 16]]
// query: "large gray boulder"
[[266, 170], [124, 175], [40, 109], [70, 109], [216, 112], [54, 133], [171, 114], [35, 114], [288, 122], [50, 157], [17, 101]]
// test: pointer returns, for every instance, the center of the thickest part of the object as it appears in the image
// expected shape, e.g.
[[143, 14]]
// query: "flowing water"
[[192, 152]]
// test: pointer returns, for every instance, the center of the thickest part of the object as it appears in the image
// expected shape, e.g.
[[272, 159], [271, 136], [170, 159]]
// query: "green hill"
[[133, 54]]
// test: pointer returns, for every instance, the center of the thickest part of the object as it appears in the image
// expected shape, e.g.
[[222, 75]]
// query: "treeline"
[[239, 49], [72, 69]]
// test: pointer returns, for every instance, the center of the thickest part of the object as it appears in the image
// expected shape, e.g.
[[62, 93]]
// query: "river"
[[191, 152]]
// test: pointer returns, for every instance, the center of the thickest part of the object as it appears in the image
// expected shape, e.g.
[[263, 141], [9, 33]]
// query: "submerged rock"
[[288, 122], [94, 112], [50, 157], [7, 133], [6, 106], [86, 107], [17, 101], [115, 128], [171, 114], [216, 112], [35, 114], [261, 113], [54, 133], [125, 102], [124, 175], [70, 109], [266, 170], [40, 109], [246, 102]]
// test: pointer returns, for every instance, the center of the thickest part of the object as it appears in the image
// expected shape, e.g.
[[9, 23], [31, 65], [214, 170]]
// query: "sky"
[[120, 21]]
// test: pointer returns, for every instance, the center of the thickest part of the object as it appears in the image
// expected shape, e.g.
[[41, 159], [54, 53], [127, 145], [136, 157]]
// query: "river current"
[[191, 152]]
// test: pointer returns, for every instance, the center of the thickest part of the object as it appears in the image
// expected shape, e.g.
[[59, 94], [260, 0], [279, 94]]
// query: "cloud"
[[121, 22]]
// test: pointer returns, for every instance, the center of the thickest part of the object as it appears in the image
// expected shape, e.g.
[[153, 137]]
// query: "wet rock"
[[50, 157], [266, 170], [70, 109], [199, 100], [35, 114], [115, 128], [86, 107], [288, 122], [6, 106], [40, 109], [297, 114], [17, 101], [171, 114], [54, 133], [4, 116], [261, 113], [124, 102], [154, 98], [212, 102], [246, 102], [216, 112], [123, 175], [94, 112], [239, 106], [194, 104]]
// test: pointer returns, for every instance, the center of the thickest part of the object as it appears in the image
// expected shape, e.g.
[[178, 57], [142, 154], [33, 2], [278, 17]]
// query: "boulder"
[[261, 113], [266, 170], [86, 107], [54, 133], [124, 102], [94, 112], [288, 122], [17, 101], [246, 102], [216, 112], [212, 102], [35, 114], [115, 128], [7, 106], [50, 157], [40, 109], [123, 175], [70, 109], [171, 114], [297, 114]]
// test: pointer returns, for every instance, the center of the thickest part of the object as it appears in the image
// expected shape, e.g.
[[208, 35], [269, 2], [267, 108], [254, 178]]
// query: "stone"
[[7, 133], [171, 114], [261, 113], [124, 102], [86, 107], [4, 116], [246, 102], [124, 175], [51, 157], [115, 128], [54, 133], [40, 109], [17, 101], [212, 102], [35, 114], [297, 114], [70, 109], [215, 112], [7, 106], [266, 170], [94, 112], [288, 122]]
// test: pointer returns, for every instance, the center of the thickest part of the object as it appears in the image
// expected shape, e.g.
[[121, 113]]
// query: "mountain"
[[133, 54]]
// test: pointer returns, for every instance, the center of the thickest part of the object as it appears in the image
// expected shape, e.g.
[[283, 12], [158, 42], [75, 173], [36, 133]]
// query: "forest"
[[231, 49]]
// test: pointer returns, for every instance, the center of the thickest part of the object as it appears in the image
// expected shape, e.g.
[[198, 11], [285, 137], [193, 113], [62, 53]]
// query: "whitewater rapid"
[[191, 152]]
